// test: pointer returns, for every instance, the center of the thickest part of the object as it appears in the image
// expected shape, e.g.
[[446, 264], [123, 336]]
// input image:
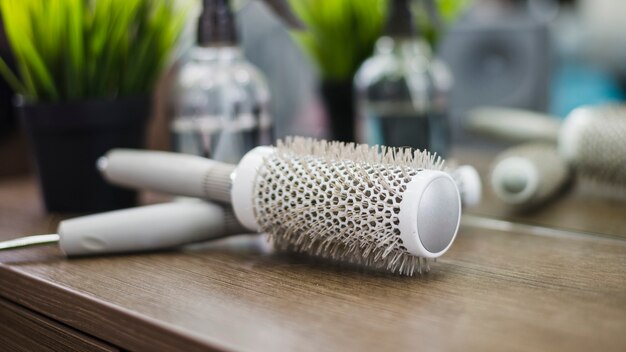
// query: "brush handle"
[[147, 228], [513, 125], [171, 173], [188, 175]]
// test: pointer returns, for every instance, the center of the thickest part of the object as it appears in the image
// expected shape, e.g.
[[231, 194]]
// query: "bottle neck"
[[216, 54], [403, 46], [216, 24], [400, 22]]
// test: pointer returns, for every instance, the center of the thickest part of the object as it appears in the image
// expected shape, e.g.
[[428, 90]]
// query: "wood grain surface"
[[494, 290]]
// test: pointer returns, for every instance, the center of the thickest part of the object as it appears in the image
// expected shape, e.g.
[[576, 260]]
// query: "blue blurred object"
[[575, 84]]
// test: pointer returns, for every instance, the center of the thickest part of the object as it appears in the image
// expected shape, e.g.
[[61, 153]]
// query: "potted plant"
[[340, 34], [85, 73]]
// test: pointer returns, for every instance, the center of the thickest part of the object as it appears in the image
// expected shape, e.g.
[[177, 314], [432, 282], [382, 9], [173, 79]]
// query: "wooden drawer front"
[[24, 330]]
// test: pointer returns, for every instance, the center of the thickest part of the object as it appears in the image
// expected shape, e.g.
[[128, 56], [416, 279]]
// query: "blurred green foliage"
[[70, 50], [340, 34], [448, 11]]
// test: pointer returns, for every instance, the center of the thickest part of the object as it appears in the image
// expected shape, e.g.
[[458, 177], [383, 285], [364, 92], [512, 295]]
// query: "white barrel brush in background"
[[383, 208], [529, 175], [592, 138]]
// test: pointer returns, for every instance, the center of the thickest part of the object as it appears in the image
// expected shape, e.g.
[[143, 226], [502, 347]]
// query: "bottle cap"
[[216, 24], [400, 20]]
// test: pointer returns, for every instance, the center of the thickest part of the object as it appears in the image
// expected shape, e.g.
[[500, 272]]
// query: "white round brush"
[[380, 207], [144, 228], [591, 138], [529, 174]]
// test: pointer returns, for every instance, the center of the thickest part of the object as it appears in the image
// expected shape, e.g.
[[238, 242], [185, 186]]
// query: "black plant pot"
[[68, 138], [338, 97], [7, 117]]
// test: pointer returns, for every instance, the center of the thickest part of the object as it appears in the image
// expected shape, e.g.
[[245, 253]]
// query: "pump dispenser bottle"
[[399, 90], [220, 99]]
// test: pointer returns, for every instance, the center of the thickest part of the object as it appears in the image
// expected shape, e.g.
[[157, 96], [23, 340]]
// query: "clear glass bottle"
[[401, 91], [221, 100]]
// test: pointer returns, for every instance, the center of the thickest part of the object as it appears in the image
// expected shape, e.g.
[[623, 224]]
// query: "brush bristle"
[[340, 201]]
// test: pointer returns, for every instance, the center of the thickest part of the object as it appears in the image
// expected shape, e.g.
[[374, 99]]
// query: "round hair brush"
[[591, 139], [380, 207], [529, 174]]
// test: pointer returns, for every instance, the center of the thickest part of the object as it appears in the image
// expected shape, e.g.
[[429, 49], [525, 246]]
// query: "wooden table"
[[521, 285]]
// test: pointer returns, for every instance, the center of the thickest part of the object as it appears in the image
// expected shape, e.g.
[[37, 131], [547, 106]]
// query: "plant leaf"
[[86, 49], [10, 77]]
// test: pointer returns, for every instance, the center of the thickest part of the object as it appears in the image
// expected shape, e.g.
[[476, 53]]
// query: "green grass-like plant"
[[448, 11], [73, 50], [340, 34]]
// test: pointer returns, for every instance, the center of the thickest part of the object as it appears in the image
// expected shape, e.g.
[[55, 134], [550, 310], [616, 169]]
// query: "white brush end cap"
[[470, 184], [515, 180], [430, 213], [244, 181]]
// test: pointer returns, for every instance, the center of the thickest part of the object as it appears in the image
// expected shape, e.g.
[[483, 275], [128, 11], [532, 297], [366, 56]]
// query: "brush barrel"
[[147, 228], [304, 201], [166, 172], [592, 141]]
